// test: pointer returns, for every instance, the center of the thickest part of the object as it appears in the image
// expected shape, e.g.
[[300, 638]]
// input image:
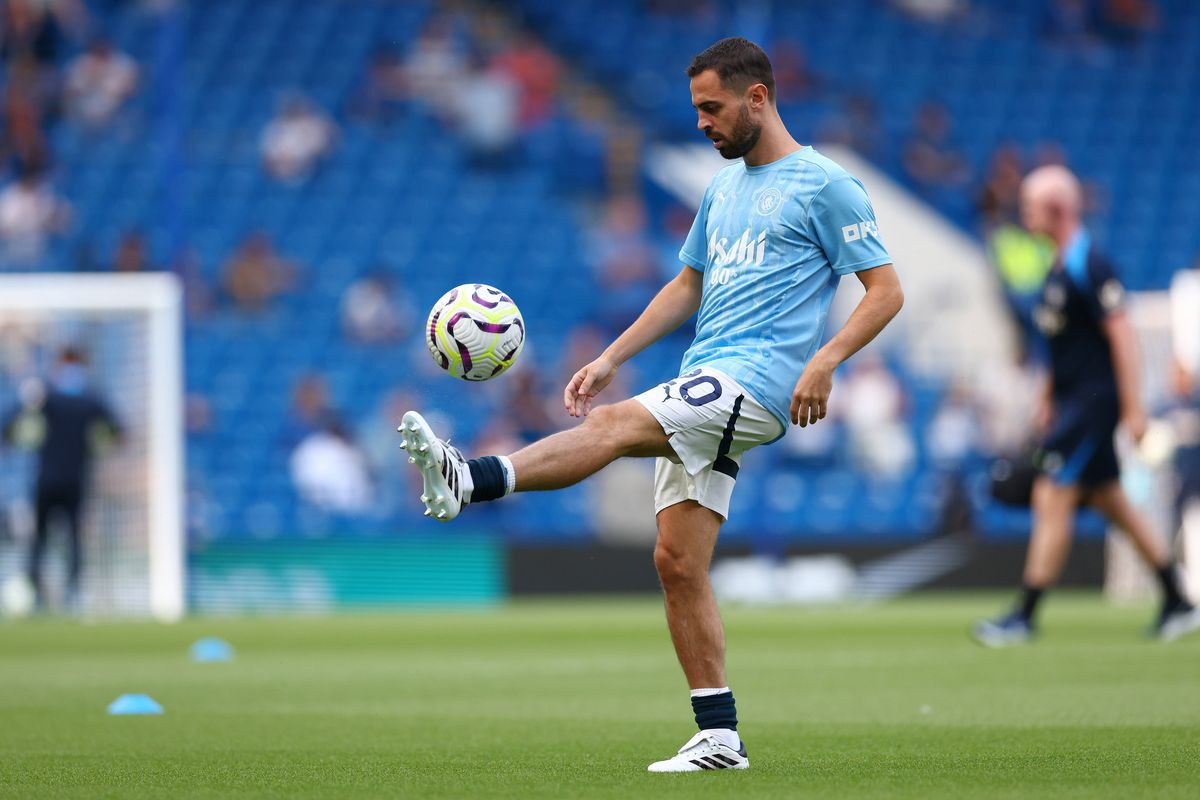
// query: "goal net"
[[129, 329]]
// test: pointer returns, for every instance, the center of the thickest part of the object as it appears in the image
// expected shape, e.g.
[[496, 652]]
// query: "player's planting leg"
[[1054, 507], [450, 481], [687, 533], [1177, 617]]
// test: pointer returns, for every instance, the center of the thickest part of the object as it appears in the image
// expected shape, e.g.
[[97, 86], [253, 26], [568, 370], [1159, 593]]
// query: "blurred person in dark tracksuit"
[[66, 423]]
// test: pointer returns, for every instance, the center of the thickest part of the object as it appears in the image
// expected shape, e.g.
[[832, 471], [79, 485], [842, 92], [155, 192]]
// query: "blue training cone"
[[211, 649], [134, 704]]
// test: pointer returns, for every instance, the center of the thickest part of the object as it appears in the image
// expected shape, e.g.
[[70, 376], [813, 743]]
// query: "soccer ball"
[[475, 332]]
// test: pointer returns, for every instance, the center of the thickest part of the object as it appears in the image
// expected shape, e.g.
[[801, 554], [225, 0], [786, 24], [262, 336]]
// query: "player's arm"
[[878, 306], [1123, 345], [674, 304]]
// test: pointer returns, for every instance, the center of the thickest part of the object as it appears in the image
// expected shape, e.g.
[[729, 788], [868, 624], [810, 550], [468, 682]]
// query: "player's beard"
[[742, 138]]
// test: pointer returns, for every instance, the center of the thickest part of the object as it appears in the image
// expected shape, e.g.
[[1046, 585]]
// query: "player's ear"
[[758, 95]]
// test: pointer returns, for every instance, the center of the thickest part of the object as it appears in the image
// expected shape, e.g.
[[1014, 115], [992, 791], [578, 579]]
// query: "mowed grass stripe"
[[574, 698]]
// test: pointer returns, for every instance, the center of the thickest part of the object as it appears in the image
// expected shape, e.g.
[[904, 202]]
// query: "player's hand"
[[811, 396], [1135, 424], [586, 384]]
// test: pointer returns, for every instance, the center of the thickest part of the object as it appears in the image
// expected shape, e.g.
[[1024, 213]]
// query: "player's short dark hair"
[[739, 63]]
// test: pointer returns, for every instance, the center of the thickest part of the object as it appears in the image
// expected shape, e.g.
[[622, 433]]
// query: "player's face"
[[724, 116]]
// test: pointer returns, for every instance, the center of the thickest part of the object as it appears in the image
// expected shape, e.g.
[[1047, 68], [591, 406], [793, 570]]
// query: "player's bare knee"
[[676, 566], [616, 427]]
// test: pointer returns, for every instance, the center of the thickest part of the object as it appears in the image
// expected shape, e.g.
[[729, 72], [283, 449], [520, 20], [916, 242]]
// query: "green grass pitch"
[[558, 699]]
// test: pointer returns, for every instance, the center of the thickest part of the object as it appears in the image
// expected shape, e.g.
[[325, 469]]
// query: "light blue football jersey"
[[772, 242]]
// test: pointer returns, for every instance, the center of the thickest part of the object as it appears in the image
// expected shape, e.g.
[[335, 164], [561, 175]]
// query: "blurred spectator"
[[197, 414], [256, 274], [872, 403], [624, 262], [1008, 427], [38, 27], [198, 298], [534, 70], [436, 65], [396, 485], [855, 125], [1126, 21], [485, 114], [296, 140], [131, 255], [310, 409], [953, 435], [99, 82], [372, 310], [933, 10], [1000, 198], [676, 221], [331, 472], [930, 160], [25, 145], [381, 97], [30, 212], [527, 405], [1021, 259], [793, 79]]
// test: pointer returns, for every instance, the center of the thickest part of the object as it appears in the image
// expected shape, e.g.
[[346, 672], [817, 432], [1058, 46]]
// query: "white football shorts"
[[711, 420]]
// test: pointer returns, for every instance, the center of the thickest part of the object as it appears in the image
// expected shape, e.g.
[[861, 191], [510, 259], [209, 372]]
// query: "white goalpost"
[[1147, 472], [130, 326]]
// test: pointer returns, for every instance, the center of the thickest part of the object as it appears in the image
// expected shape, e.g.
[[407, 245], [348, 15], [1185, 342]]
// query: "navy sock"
[[1030, 597], [487, 473], [1170, 586], [715, 711]]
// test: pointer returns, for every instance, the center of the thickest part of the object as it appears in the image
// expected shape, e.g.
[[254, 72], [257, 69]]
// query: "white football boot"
[[443, 468], [702, 752], [1177, 623]]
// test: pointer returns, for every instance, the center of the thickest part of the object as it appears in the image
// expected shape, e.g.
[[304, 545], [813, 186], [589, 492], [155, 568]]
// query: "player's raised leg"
[[687, 533], [450, 481], [608, 433]]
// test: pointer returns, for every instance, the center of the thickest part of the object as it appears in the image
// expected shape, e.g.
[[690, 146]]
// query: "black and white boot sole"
[[441, 491]]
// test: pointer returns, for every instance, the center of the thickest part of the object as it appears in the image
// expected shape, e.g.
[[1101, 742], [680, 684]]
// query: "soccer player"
[[1093, 388], [773, 236]]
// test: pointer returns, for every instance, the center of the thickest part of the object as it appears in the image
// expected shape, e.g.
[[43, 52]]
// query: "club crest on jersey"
[[748, 248], [768, 202]]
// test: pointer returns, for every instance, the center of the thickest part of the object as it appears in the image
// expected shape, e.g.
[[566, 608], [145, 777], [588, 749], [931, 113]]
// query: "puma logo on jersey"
[[746, 249], [860, 230]]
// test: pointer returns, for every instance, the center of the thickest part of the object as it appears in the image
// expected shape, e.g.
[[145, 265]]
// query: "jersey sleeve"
[[694, 252], [1104, 294], [843, 224]]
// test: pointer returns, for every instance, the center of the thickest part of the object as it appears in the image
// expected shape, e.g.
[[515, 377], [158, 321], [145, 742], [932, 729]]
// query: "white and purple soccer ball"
[[475, 332]]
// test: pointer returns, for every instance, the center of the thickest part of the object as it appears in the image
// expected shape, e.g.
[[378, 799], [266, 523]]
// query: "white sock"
[[510, 475], [465, 483], [726, 737], [710, 692]]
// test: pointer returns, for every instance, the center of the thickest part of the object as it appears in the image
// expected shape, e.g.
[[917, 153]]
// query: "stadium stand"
[[415, 196]]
